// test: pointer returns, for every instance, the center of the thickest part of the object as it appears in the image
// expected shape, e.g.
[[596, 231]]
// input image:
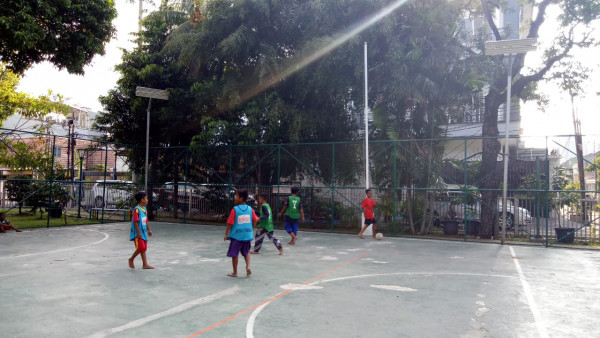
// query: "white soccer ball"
[[379, 236]]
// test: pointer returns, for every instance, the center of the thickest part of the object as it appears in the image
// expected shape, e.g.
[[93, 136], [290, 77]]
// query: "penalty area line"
[[166, 313], [263, 303], [537, 316]]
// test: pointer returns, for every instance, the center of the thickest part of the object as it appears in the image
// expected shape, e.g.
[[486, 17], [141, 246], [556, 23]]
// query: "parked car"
[[188, 196], [113, 194], [456, 198]]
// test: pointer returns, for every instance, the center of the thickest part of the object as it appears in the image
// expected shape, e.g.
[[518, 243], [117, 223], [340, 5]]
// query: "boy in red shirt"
[[367, 208]]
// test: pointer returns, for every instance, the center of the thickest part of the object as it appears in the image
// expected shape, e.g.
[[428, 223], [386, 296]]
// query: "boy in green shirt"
[[265, 227], [293, 211]]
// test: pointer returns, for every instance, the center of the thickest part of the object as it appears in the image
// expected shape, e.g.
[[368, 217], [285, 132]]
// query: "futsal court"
[[75, 282]]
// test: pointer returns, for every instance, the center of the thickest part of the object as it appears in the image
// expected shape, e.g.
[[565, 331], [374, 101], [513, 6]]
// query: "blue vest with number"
[[242, 227], [141, 224]]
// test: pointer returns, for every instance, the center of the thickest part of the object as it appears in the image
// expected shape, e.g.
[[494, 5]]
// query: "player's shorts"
[[6, 227], [291, 225], [236, 247], [140, 244], [369, 221]]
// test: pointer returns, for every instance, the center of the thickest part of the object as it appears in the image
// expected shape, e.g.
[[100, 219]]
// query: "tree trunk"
[[490, 165]]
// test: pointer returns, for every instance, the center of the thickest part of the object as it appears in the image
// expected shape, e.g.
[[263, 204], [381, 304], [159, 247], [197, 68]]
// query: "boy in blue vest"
[[292, 209], [140, 230], [240, 227], [265, 227]]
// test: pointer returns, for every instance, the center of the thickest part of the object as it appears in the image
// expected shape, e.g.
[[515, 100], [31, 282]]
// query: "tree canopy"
[[66, 33], [577, 21]]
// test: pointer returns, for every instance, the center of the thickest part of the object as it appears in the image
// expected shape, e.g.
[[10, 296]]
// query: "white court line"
[[414, 274], [532, 305], [252, 319], [59, 250], [166, 313]]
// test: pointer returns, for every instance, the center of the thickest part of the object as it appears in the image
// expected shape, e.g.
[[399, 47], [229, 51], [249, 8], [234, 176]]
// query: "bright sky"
[[555, 120], [100, 75]]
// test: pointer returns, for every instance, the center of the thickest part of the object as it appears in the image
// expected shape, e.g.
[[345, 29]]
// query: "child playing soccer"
[[265, 227], [239, 231], [5, 225], [140, 230], [292, 209], [367, 207]]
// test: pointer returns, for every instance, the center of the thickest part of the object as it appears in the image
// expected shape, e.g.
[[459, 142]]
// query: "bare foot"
[[248, 272], [361, 236], [232, 275], [254, 252], [281, 251], [17, 230], [147, 267], [131, 263]]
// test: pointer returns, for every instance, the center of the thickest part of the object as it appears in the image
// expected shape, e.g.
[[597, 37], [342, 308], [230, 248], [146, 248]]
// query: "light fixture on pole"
[[508, 48], [150, 93]]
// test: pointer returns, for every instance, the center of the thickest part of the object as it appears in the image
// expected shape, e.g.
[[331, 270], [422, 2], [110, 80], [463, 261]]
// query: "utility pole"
[[579, 151], [140, 15]]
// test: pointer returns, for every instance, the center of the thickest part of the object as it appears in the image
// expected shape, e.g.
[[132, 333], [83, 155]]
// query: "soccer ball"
[[379, 236]]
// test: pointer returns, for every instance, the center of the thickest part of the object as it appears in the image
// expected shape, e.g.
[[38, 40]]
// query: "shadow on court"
[[75, 282]]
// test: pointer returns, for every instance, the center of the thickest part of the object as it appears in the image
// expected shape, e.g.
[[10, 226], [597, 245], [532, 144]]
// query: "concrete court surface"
[[75, 282]]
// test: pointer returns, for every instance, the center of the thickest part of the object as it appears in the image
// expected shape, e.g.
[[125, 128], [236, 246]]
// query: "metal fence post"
[[332, 183], [278, 179], [229, 187], [395, 185], [104, 188], [465, 168], [50, 204], [187, 157], [80, 183], [547, 188], [538, 205]]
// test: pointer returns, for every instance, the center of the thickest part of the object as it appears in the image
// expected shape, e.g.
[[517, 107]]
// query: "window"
[[57, 151]]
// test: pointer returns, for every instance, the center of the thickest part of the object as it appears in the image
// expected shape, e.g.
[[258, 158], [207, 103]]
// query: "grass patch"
[[29, 221]]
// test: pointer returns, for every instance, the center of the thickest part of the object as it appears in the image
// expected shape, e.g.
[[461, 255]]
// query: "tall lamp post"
[[508, 48], [150, 93]]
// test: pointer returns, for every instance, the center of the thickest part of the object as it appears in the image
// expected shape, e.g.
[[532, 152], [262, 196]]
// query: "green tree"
[[173, 122], [12, 101], [66, 33], [17, 189], [577, 16]]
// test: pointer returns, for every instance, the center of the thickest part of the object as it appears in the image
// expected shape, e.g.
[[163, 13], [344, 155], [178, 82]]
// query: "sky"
[[100, 76], [554, 119]]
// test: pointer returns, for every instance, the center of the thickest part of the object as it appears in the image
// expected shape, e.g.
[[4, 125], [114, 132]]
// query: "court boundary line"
[[169, 312], [274, 297], [106, 236], [537, 316], [252, 320]]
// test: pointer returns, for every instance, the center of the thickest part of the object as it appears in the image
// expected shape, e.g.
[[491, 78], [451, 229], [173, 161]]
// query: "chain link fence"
[[435, 187]]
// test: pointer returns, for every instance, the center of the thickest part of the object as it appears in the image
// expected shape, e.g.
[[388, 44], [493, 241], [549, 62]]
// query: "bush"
[[18, 189], [41, 192]]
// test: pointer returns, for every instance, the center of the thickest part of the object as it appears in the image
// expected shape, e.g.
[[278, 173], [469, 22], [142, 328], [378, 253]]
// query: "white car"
[[473, 211], [113, 193]]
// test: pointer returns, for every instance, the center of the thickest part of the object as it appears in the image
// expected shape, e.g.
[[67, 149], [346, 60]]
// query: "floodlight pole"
[[150, 93], [508, 48], [366, 121], [147, 144], [506, 140]]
